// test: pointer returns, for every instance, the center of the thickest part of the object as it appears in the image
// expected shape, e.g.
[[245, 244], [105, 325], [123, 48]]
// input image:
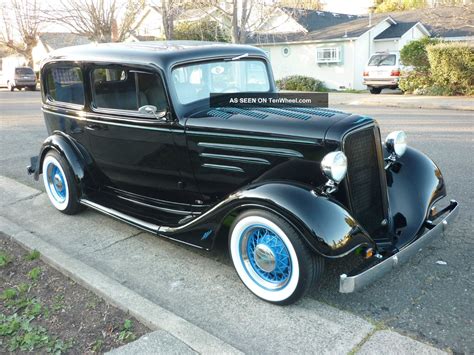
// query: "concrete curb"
[[407, 105], [120, 296]]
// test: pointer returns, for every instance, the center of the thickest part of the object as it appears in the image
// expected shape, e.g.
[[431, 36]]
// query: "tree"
[[414, 54], [399, 5], [239, 16], [21, 22], [303, 4], [200, 31], [98, 20]]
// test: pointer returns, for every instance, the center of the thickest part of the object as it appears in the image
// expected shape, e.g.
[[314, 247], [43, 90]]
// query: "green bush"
[[452, 67], [414, 82], [200, 31], [414, 54], [300, 83]]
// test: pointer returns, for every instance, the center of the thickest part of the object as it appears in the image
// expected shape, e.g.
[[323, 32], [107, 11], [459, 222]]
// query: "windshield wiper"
[[239, 57]]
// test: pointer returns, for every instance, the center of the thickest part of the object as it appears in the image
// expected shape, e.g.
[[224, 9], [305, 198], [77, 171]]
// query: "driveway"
[[422, 299]]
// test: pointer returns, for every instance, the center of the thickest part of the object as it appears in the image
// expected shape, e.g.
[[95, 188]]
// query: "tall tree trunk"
[[235, 23]]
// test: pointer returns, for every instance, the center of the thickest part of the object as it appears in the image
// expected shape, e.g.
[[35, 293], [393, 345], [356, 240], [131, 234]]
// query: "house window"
[[285, 51], [328, 55]]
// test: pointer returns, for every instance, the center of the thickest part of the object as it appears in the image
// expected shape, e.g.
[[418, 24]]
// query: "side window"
[[65, 84], [124, 89]]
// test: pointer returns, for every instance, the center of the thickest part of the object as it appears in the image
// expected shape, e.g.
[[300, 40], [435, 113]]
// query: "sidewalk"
[[193, 300], [403, 101]]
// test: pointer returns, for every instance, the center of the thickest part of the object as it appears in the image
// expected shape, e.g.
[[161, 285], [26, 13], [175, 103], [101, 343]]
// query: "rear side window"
[[383, 60], [125, 89], [65, 84]]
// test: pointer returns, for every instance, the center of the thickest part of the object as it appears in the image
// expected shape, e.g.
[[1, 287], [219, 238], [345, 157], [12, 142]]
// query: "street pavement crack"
[[24, 199], [118, 241]]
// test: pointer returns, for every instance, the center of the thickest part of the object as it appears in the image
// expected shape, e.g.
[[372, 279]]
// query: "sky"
[[355, 7]]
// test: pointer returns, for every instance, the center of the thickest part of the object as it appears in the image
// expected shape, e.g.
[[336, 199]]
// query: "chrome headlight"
[[334, 166], [396, 143]]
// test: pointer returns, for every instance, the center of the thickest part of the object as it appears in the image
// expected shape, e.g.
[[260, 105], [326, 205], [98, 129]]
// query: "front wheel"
[[271, 258], [59, 183]]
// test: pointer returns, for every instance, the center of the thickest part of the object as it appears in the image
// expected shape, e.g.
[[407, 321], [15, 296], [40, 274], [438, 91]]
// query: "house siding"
[[302, 61]]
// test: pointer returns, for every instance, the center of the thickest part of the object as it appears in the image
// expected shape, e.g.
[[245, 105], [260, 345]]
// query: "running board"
[[149, 227]]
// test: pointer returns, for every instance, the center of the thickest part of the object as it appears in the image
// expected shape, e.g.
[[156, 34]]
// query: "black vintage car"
[[132, 135]]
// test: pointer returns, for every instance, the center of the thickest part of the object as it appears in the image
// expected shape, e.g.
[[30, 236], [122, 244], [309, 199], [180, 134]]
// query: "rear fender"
[[69, 150]]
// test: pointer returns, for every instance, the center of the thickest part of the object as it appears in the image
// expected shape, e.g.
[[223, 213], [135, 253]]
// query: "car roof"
[[161, 53]]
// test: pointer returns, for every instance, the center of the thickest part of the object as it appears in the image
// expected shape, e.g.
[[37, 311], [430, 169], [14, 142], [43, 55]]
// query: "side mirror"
[[152, 110]]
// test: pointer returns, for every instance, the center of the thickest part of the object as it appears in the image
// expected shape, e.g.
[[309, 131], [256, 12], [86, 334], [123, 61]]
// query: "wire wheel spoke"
[[268, 256]]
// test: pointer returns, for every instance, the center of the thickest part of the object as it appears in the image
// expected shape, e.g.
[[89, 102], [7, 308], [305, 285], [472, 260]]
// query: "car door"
[[133, 148]]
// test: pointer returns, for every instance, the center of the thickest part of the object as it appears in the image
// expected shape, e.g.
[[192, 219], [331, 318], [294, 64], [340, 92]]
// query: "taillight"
[[366, 73], [395, 73]]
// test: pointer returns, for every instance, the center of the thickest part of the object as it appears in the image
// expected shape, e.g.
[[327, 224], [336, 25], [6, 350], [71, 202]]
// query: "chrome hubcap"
[[58, 182], [264, 258]]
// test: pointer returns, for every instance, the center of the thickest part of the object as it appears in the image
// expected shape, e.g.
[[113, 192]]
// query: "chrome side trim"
[[223, 167], [150, 227], [140, 125], [348, 284], [249, 160], [259, 138], [253, 149]]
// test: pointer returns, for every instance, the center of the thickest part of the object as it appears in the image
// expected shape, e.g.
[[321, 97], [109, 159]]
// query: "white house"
[[335, 48], [49, 41]]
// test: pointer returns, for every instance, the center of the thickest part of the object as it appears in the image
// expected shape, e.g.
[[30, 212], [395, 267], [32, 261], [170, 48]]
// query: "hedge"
[[300, 83], [452, 67]]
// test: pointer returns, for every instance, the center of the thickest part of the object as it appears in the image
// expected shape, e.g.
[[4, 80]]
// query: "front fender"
[[326, 225], [70, 150], [414, 183]]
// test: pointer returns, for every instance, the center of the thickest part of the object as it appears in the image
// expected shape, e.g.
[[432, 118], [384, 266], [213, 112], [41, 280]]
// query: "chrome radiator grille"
[[366, 186]]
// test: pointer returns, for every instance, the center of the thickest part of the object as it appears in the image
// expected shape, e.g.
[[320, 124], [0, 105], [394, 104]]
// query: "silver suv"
[[382, 72]]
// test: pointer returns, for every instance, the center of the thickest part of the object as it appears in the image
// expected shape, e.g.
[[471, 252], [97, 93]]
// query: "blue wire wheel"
[[264, 258], [55, 182]]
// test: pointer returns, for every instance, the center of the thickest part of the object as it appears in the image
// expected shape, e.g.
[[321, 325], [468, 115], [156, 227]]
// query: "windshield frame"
[[188, 108]]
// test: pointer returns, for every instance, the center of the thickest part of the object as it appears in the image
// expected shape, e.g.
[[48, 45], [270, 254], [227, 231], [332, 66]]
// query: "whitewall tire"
[[271, 258], [59, 183]]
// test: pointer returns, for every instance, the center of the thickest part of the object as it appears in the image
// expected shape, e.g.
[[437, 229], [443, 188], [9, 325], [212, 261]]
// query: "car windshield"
[[23, 71], [383, 59], [197, 81]]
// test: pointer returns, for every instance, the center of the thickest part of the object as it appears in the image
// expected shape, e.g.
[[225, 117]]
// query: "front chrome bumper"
[[348, 284]]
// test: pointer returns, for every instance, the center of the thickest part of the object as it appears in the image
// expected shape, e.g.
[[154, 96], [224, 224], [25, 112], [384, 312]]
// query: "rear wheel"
[[32, 88], [271, 258], [375, 90], [59, 183]]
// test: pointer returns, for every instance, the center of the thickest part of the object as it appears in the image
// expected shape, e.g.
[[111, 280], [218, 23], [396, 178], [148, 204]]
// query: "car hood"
[[308, 124]]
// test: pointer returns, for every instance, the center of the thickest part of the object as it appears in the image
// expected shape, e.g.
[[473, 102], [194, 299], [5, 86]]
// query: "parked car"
[[18, 77], [382, 72], [132, 135]]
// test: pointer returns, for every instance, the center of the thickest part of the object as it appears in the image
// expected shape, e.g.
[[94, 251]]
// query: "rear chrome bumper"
[[381, 82], [348, 284]]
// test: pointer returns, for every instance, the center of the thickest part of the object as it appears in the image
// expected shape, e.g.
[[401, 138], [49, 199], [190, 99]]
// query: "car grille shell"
[[365, 180]]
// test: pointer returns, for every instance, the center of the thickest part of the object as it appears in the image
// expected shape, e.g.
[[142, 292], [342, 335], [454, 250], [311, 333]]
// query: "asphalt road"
[[422, 299]]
